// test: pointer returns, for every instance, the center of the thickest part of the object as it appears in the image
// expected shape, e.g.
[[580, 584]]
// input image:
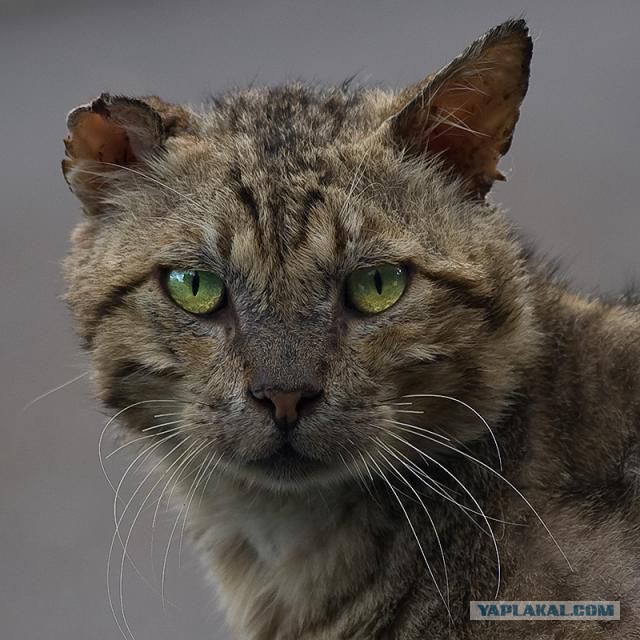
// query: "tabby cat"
[[386, 406]]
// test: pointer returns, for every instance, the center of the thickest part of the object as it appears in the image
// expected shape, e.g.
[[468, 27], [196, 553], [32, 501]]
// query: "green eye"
[[375, 289], [197, 292]]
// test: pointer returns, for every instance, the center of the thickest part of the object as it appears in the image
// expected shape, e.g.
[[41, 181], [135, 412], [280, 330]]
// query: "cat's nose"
[[286, 405]]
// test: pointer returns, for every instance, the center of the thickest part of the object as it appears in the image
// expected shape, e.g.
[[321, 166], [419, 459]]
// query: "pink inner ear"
[[466, 113], [95, 137]]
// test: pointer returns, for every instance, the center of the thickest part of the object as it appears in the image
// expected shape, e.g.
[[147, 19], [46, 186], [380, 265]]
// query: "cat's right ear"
[[113, 135], [466, 113]]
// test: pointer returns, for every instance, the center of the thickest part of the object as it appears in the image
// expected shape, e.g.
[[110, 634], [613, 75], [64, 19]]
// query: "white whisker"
[[366, 466], [414, 411], [164, 424], [204, 468], [464, 488], [404, 424], [431, 522], [466, 406], [413, 530], [111, 421], [439, 489], [46, 394], [170, 481], [514, 488], [126, 543], [116, 536], [206, 482], [173, 530], [136, 440]]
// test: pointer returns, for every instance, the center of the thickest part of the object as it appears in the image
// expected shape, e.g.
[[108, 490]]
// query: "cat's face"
[[283, 284]]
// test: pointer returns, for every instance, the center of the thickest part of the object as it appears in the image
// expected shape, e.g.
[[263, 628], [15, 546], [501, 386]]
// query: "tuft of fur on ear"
[[466, 112], [112, 134]]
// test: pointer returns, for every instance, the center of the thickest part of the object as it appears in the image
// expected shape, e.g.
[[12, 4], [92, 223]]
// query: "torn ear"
[[112, 134], [466, 113]]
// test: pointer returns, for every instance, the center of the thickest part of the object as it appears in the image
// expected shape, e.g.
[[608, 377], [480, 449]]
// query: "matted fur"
[[283, 192]]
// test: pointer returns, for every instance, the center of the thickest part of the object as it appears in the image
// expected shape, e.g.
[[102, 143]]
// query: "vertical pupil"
[[377, 279], [195, 283]]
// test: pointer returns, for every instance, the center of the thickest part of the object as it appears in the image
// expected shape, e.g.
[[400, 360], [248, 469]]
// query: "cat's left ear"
[[111, 135], [466, 112]]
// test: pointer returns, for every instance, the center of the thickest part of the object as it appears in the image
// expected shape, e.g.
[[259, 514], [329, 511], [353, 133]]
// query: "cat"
[[387, 405]]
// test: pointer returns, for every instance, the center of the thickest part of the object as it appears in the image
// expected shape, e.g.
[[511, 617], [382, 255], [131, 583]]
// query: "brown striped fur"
[[284, 192]]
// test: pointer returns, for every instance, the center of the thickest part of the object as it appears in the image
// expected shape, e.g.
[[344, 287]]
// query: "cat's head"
[[301, 283]]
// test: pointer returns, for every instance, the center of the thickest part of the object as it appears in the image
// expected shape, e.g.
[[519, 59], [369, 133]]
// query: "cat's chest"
[[276, 537]]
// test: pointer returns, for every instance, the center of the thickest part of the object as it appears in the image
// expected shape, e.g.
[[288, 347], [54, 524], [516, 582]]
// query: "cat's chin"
[[288, 470]]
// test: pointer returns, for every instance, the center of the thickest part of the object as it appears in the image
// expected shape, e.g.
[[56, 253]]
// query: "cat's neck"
[[274, 554]]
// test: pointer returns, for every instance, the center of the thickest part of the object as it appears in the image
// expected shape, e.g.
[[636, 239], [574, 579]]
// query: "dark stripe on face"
[[249, 201], [129, 379], [244, 193], [113, 301], [224, 239], [278, 234], [340, 236], [309, 202], [495, 313]]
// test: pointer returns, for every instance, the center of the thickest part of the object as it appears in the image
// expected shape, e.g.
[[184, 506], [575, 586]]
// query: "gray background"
[[573, 188]]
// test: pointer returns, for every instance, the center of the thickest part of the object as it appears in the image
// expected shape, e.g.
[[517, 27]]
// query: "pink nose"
[[286, 404]]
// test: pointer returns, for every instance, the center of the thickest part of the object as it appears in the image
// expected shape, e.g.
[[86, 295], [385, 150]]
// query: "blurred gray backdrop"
[[573, 185]]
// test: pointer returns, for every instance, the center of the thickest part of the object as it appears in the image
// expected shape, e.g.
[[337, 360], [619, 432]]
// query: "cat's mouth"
[[286, 461]]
